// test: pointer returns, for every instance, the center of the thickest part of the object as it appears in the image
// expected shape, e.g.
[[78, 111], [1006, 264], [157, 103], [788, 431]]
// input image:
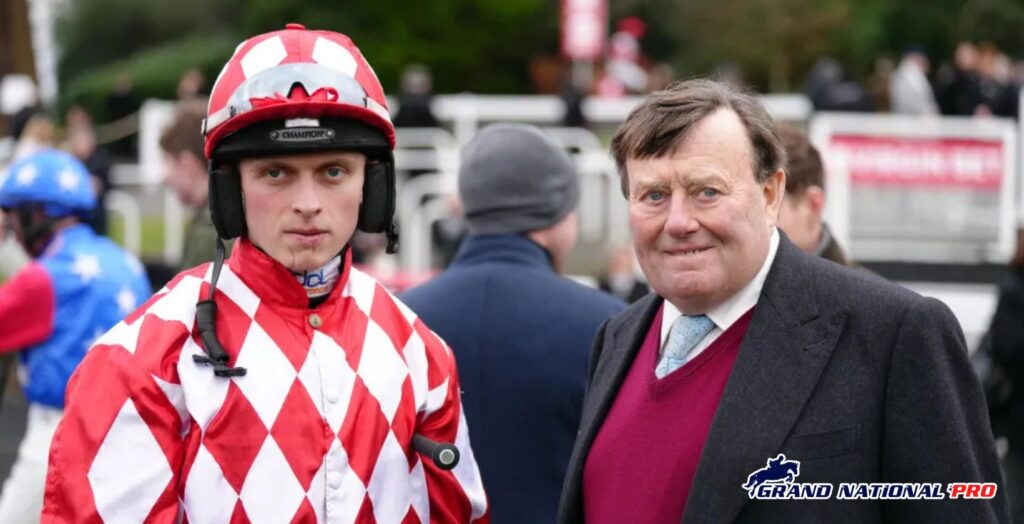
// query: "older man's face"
[[701, 222]]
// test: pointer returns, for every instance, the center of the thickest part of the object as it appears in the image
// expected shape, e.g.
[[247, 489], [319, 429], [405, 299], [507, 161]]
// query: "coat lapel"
[[780, 360], [615, 361]]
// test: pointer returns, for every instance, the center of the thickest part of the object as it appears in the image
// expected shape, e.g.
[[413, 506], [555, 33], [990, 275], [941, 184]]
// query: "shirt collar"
[[273, 282], [320, 282], [727, 313]]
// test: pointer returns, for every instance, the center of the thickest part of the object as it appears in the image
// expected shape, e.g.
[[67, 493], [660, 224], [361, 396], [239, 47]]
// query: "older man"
[[755, 363]]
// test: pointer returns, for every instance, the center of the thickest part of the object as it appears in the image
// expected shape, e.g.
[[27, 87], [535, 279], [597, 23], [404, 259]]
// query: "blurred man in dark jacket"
[[1005, 346], [521, 333], [802, 211]]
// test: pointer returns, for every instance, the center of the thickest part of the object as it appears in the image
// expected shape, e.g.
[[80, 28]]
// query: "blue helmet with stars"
[[53, 179]]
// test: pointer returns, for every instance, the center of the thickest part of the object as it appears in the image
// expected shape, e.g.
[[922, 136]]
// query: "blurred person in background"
[[81, 141], [414, 111], [910, 93], [37, 134], [448, 233], [957, 84], [121, 102], [281, 384], [626, 60], [572, 97], [1004, 344], [997, 94], [191, 85], [624, 70], [803, 209], [1016, 84], [19, 99], [623, 278], [186, 173], [414, 100], [520, 332], [78, 286], [878, 83], [830, 88]]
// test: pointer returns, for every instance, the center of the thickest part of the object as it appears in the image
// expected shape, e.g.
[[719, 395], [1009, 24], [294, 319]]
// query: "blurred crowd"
[[977, 81]]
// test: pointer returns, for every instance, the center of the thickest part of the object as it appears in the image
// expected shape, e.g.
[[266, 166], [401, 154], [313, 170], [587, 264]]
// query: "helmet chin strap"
[[206, 319], [392, 236]]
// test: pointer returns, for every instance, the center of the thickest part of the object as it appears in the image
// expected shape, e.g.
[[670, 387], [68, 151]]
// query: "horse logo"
[[778, 470]]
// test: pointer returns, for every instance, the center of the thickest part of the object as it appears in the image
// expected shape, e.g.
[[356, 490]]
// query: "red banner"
[[954, 163], [584, 28]]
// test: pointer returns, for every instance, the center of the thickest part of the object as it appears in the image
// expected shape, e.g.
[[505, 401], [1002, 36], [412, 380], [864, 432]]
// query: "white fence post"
[[124, 204]]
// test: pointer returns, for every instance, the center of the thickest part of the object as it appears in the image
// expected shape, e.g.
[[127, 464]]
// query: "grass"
[[152, 245]]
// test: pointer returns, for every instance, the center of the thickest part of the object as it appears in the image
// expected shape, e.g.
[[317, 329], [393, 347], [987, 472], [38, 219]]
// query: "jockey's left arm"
[[456, 496], [27, 306]]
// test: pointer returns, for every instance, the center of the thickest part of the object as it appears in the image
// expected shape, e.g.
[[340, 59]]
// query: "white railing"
[[467, 112], [127, 206], [416, 251]]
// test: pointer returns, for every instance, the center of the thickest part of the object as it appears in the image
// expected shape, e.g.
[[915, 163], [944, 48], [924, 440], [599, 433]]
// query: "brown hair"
[[185, 132], [661, 122], [803, 162]]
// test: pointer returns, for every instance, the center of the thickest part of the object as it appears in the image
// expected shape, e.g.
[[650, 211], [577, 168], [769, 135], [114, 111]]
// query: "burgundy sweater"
[[643, 460]]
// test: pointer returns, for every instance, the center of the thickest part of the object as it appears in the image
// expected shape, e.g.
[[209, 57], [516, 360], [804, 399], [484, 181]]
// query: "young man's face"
[[303, 209]]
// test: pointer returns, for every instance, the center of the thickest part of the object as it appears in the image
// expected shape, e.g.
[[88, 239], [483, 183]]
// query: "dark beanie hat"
[[514, 179]]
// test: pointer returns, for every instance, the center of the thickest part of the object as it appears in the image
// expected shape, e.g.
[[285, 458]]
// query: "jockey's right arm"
[[118, 451]]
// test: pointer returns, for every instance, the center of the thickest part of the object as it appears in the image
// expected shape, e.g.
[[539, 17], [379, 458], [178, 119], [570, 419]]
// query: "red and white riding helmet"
[[297, 91], [259, 83]]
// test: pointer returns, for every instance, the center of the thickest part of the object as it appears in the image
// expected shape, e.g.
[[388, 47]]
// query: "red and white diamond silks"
[[318, 430]]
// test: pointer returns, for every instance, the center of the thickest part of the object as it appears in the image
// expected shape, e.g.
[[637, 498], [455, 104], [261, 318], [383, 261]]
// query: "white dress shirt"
[[728, 312]]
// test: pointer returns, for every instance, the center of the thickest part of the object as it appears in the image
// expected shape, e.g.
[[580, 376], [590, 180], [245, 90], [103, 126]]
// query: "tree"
[[470, 45]]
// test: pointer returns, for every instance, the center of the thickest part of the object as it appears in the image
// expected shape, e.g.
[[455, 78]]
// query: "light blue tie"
[[686, 333]]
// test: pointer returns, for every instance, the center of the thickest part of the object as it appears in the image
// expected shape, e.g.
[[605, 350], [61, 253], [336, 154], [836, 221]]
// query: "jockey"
[[78, 286], [283, 385]]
